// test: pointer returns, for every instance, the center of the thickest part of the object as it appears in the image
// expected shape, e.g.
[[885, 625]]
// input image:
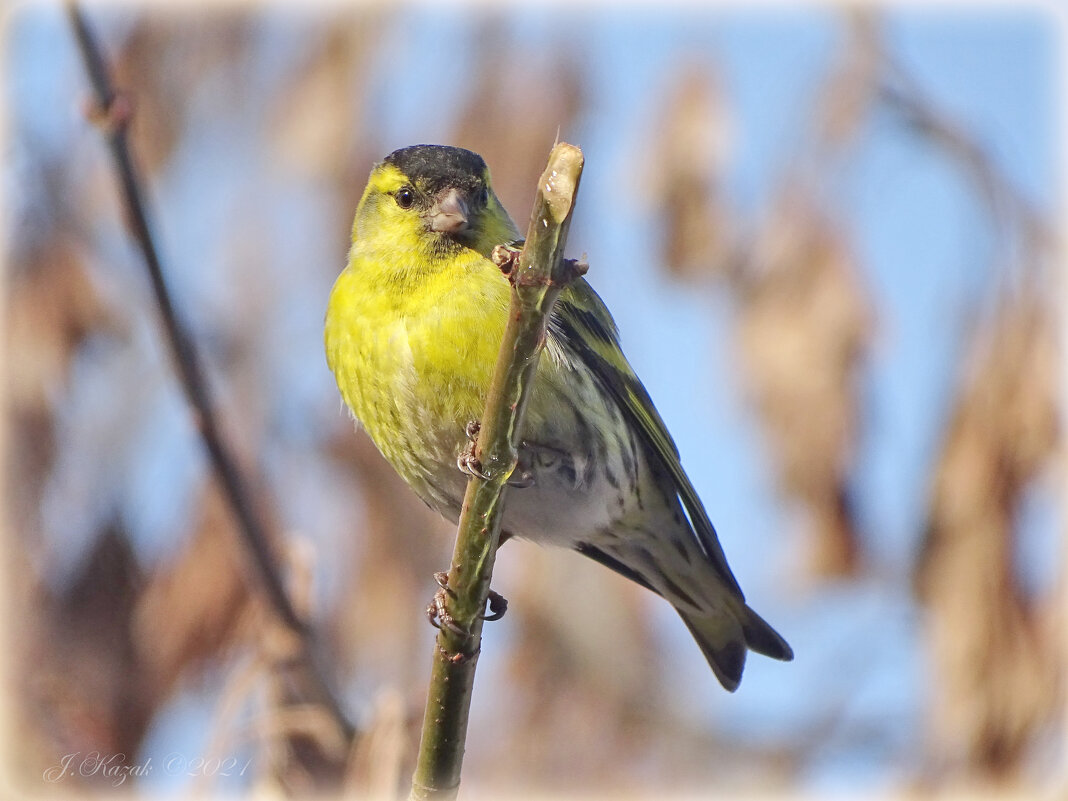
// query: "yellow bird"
[[413, 328]]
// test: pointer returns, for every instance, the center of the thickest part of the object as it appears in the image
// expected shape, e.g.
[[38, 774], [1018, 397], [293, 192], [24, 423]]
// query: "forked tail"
[[724, 640]]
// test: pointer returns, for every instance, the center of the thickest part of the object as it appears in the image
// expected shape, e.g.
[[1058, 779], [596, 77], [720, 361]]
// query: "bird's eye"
[[483, 196], [405, 197]]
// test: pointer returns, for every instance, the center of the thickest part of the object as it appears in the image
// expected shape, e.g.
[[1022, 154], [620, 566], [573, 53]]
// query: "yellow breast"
[[413, 353]]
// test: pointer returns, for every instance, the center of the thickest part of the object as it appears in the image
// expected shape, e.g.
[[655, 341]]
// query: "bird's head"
[[433, 199]]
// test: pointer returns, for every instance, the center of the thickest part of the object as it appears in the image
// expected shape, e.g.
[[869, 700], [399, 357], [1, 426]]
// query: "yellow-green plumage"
[[413, 330]]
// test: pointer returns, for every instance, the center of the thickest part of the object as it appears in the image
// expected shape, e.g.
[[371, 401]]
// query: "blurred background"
[[831, 241]]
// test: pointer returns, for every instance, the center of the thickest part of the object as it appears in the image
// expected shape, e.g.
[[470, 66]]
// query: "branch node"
[[456, 657], [112, 118]]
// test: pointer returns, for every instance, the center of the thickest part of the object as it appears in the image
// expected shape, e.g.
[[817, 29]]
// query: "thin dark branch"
[[538, 274], [113, 112], [902, 93]]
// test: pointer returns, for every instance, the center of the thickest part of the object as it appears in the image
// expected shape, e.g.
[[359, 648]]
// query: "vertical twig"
[[537, 275], [113, 113]]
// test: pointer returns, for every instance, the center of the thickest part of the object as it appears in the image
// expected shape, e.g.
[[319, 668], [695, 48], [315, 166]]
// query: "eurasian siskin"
[[413, 329]]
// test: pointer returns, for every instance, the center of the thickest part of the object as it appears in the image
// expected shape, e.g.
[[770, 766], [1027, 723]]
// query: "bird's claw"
[[470, 465], [438, 614], [467, 462], [471, 430], [507, 256], [498, 605], [522, 481]]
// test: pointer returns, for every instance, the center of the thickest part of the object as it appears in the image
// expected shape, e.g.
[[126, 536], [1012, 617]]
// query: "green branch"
[[537, 275]]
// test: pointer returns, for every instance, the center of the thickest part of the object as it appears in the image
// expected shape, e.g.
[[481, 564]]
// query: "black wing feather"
[[582, 326]]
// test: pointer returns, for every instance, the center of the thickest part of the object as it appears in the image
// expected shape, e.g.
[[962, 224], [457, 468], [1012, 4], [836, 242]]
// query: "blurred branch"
[[112, 111], [902, 94], [991, 645], [537, 274]]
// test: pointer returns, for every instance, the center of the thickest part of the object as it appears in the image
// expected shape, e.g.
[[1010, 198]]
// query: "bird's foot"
[[506, 257], [467, 461], [438, 614], [498, 605], [521, 480]]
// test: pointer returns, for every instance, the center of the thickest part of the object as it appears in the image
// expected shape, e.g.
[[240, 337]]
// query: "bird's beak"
[[450, 214]]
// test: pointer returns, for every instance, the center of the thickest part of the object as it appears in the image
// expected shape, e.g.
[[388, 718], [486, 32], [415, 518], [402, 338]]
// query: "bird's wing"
[[582, 328]]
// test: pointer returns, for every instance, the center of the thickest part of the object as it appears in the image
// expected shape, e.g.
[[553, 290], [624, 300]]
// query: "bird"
[[412, 333]]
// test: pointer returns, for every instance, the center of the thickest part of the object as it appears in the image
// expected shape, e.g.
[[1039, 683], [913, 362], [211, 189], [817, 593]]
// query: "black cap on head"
[[435, 167]]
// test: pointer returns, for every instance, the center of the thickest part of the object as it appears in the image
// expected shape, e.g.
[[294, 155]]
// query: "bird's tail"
[[724, 640], [718, 618]]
